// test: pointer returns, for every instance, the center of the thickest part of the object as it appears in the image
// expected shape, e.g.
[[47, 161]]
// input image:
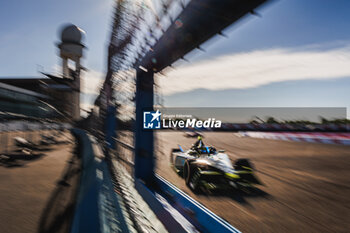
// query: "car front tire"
[[191, 176]]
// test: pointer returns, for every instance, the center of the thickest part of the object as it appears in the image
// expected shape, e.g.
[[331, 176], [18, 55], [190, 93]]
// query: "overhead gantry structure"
[[145, 39], [199, 21]]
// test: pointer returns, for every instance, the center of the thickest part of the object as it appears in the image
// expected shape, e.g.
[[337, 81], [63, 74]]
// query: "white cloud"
[[91, 82], [252, 69], [85, 108]]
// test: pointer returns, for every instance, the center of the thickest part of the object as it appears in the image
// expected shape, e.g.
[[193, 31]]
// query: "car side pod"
[[245, 169], [232, 176]]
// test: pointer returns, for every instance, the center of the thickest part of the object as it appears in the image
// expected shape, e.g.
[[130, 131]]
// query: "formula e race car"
[[205, 168]]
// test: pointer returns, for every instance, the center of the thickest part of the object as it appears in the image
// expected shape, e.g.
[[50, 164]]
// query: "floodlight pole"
[[144, 141]]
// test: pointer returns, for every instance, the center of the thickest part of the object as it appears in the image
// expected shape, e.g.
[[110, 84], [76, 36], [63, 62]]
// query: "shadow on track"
[[238, 195], [59, 211]]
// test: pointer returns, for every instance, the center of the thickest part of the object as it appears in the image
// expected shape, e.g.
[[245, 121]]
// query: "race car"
[[205, 168]]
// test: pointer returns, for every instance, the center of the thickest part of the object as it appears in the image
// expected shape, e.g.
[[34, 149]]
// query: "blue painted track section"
[[201, 217]]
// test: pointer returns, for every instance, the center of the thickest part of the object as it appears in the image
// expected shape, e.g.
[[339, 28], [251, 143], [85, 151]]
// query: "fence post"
[[144, 141]]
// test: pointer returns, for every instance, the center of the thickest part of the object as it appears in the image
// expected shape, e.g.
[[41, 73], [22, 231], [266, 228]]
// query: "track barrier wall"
[[97, 208]]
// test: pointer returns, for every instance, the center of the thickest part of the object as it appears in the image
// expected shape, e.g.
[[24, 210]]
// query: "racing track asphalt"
[[306, 185], [37, 195]]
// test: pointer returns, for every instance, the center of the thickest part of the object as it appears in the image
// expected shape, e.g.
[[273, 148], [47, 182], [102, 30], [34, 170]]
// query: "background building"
[[51, 96]]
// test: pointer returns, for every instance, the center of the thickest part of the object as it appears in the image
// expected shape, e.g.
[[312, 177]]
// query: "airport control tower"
[[71, 51], [59, 94]]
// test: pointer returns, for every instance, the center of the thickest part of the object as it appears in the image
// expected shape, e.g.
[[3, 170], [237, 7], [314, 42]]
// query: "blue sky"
[[29, 31], [303, 30], [286, 23]]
